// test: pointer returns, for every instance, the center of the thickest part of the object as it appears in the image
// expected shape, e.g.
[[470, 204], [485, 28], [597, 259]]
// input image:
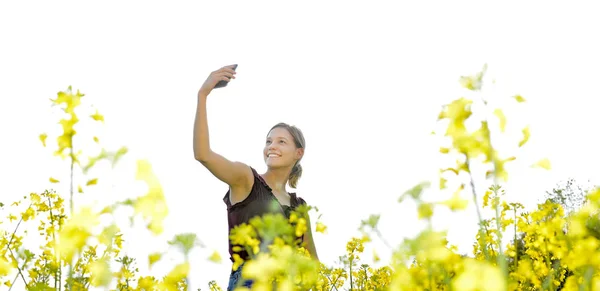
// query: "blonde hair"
[[296, 133]]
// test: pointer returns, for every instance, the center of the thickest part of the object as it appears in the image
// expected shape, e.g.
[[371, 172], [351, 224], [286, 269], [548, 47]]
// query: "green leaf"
[[415, 192], [372, 221], [185, 241], [153, 258]]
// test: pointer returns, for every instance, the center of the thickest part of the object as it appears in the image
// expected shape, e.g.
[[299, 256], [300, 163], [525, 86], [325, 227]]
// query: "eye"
[[268, 142], [282, 141]]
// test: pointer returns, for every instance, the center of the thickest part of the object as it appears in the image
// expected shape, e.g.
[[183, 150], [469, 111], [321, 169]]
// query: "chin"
[[274, 164]]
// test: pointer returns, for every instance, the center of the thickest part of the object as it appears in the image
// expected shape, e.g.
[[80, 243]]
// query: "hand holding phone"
[[222, 83]]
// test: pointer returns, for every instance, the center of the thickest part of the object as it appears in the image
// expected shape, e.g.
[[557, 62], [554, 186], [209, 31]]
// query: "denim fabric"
[[235, 280]]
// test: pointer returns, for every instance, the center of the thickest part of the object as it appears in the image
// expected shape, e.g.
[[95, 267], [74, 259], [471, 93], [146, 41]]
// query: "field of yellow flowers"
[[550, 248]]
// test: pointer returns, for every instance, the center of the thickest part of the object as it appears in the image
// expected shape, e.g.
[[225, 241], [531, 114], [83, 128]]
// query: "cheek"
[[290, 152]]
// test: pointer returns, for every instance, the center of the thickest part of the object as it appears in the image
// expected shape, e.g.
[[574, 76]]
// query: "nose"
[[272, 146]]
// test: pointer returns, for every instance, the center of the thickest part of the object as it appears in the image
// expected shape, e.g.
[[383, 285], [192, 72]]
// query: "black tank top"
[[260, 201]]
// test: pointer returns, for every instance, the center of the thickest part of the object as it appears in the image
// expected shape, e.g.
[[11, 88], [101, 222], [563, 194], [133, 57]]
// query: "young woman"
[[251, 194]]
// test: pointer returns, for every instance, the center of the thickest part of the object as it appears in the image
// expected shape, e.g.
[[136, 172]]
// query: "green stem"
[[55, 248], [387, 244], [71, 203], [500, 259], [366, 278], [351, 283], [491, 155], [16, 276], [515, 241], [479, 217], [11, 252], [332, 282]]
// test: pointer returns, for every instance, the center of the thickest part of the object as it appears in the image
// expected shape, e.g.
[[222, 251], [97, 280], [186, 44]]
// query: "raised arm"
[[237, 175]]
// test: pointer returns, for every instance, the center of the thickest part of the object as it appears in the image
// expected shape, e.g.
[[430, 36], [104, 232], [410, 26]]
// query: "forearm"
[[201, 137]]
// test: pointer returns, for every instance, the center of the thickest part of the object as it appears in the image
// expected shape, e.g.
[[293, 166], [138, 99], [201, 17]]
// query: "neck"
[[277, 178]]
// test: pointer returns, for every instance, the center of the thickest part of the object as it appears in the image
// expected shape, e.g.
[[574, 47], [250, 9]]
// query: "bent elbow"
[[202, 157]]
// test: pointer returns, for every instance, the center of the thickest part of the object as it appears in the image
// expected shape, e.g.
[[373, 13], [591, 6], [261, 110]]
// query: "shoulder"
[[298, 200]]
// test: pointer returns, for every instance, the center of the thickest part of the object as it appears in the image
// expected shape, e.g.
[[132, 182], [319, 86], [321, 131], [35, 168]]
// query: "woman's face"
[[280, 149]]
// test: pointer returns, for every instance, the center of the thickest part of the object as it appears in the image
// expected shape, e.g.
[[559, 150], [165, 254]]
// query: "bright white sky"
[[364, 82]]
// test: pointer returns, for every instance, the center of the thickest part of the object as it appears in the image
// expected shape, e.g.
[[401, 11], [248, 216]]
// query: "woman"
[[251, 194]]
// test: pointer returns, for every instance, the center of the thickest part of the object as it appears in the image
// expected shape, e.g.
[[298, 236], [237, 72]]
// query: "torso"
[[239, 194], [257, 201], [284, 198]]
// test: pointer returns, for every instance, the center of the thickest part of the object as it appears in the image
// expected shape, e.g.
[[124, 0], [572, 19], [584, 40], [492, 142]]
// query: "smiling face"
[[280, 149]]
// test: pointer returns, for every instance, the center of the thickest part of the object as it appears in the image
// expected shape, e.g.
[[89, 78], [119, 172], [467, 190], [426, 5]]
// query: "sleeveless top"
[[260, 201]]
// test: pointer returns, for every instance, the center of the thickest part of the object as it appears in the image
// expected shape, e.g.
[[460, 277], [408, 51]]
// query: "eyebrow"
[[278, 137]]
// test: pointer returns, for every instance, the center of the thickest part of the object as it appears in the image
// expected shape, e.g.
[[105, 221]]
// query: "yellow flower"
[[262, 266], [237, 261], [92, 182], [479, 275], [147, 283], [174, 277], [28, 214], [100, 274], [301, 227], [456, 203], [97, 116], [153, 205], [293, 217], [425, 210], [501, 118], [526, 135], [76, 231], [153, 258], [543, 163], [43, 138], [320, 227], [215, 257], [242, 235], [519, 98], [5, 267]]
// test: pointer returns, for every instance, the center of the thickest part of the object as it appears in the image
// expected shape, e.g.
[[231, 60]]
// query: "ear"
[[299, 153]]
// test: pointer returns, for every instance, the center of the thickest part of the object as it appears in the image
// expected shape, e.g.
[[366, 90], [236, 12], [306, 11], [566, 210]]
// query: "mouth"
[[271, 155]]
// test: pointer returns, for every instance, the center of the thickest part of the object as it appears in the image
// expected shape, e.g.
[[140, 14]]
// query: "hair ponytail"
[[295, 175]]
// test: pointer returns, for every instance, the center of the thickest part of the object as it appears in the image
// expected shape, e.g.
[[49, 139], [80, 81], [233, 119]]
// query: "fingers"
[[226, 74], [229, 69]]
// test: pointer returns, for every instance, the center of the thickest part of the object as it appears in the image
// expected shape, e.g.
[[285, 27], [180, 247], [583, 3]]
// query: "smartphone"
[[224, 83]]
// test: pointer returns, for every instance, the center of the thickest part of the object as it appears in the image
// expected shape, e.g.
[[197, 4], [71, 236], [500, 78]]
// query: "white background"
[[364, 82]]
